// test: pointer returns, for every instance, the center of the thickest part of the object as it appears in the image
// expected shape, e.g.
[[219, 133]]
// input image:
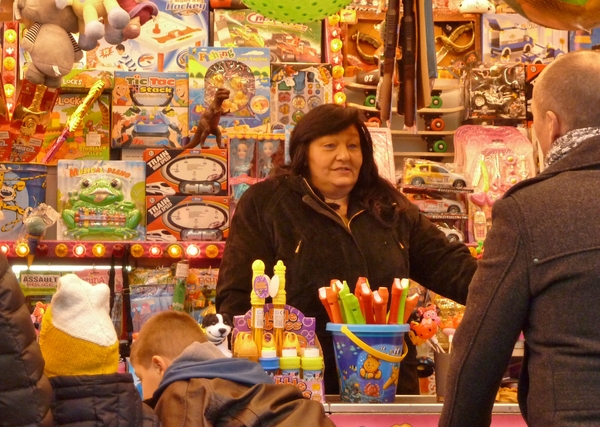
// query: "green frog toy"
[[98, 208]]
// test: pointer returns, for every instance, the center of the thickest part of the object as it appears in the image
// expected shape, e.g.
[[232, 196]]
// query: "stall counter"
[[417, 411]]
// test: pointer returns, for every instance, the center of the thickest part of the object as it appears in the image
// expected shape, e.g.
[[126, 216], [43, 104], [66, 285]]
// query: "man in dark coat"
[[540, 271]]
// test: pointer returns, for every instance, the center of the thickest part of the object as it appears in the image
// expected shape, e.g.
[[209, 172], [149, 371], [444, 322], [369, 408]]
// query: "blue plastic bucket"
[[368, 360], [22, 188]]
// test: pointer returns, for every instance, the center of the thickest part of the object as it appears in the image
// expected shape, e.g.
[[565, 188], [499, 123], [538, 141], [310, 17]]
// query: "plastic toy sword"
[[408, 66], [75, 120], [278, 307]]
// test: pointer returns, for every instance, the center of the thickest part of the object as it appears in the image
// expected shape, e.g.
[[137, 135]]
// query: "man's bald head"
[[570, 87]]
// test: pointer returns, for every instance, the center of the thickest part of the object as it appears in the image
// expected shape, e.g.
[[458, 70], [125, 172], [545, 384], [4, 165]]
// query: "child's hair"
[[165, 334]]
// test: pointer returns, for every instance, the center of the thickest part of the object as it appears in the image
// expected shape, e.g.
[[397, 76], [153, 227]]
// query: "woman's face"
[[334, 162]]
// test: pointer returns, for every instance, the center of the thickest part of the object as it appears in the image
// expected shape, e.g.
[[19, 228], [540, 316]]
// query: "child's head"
[[162, 339]]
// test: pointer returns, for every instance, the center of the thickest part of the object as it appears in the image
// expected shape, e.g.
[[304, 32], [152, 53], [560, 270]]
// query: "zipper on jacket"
[[298, 247], [346, 223]]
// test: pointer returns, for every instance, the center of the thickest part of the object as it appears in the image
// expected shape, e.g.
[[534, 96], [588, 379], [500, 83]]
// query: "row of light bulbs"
[[137, 250]]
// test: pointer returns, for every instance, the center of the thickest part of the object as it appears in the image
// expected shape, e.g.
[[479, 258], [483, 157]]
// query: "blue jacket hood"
[[204, 360]]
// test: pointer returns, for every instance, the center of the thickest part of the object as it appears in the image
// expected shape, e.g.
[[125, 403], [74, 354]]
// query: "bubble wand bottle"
[[260, 290], [279, 307]]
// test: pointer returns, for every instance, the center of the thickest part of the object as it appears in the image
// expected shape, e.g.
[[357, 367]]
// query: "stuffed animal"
[[91, 28], [48, 40], [53, 52], [217, 328]]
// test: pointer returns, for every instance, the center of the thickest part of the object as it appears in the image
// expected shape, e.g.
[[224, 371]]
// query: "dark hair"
[[120, 47], [371, 190]]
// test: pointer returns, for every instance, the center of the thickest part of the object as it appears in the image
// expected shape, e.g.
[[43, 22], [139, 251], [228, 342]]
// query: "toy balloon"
[[560, 14], [297, 11]]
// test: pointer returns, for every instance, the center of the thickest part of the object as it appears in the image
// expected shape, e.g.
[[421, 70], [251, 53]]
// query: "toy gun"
[[386, 82], [74, 122], [407, 66]]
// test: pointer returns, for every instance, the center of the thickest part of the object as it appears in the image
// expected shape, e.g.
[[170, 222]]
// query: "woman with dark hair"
[[329, 215]]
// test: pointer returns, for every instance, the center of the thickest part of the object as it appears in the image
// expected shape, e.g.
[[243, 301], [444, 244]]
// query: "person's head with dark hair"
[[332, 149]]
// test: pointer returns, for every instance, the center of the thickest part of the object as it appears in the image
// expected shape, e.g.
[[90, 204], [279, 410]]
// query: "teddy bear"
[[97, 19], [48, 40]]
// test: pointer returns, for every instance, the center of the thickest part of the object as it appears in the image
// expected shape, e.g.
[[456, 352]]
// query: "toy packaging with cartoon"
[[187, 218], [287, 42], [150, 109], [89, 142], [101, 200], [511, 38], [167, 32], [497, 92], [29, 121], [304, 336], [186, 172], [296, 89], [23, 189], [245, 72]]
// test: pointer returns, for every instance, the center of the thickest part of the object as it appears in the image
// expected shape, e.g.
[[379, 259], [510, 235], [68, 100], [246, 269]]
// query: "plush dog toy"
[[217, 328]]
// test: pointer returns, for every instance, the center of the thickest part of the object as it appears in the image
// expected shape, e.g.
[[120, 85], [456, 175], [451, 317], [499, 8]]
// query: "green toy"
[[297, 11], [98, 208]]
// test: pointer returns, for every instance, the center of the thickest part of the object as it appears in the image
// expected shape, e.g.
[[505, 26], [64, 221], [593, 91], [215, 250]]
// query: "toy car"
[[452, 234], [159, 189], [204, 187], [432, 174], [160, 236], [205, 234], [541, 55], [434, 203]]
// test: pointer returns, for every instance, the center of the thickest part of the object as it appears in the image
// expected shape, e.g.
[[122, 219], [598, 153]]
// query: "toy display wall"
[[151, 91]]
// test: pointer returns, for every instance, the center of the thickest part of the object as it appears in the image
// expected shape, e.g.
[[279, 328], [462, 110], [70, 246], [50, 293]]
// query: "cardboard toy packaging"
[[150, 109], [288, 42], [296, 89], [91, 141], [245, 72], [101, 200], [512, 38], [186, 172], [23, 189], [29, 122], [187, 218], [163, 41]]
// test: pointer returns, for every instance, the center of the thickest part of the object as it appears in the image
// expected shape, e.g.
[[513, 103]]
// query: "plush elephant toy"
[[48, 40]]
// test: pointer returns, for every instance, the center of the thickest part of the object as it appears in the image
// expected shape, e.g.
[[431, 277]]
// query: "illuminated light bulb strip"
[[10, 51], [69, 249], [336, 58]]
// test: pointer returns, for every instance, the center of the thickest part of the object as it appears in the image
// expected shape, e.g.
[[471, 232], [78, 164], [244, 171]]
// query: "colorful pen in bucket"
[[404, 284]]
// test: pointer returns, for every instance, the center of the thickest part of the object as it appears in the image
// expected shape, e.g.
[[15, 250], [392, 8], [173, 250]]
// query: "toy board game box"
[[23, 189], [245, 72], [150, 109], [187, 218], [511, 37], [288, 42], [91, 141], [163, 41], [186, 172], [78, 80], [101, 200], [28, 124], [296, 89]]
